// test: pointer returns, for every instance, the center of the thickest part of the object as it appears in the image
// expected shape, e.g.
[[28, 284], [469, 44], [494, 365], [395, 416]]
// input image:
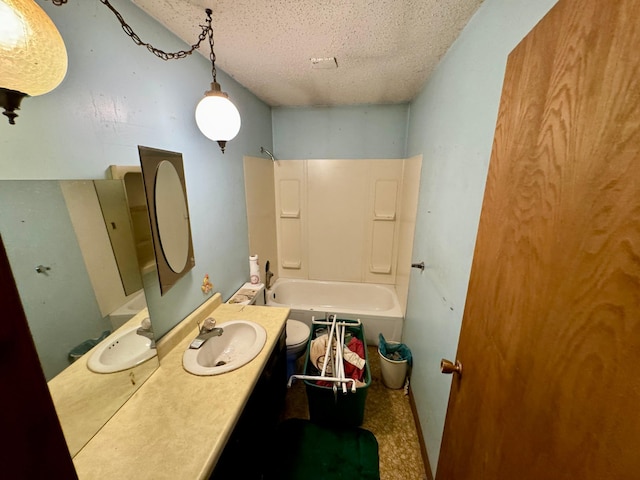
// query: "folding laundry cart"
[[343, 403]]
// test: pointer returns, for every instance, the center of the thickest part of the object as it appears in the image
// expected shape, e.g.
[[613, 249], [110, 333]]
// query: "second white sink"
[[121, 350], [240, 342]]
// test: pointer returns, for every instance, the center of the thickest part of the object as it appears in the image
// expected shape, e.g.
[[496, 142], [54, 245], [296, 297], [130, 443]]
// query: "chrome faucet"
[[206, 331], [268, 275], [144, 330]]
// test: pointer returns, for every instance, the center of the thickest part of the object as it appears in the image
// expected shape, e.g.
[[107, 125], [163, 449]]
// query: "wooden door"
[[550, 341], [33, 445]]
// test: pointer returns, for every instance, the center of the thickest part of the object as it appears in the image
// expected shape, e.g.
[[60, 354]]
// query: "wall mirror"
[[165, 188], [72, 288], [119, 225]]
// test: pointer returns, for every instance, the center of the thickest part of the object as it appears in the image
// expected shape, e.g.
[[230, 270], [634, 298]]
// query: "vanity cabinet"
[[245, 454]]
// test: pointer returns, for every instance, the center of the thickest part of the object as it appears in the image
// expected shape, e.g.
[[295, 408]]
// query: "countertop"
[[85, 401], [177, 424]]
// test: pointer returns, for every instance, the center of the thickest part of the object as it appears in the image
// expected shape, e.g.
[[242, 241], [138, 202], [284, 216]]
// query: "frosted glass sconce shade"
[[33, 57], [217, 117]]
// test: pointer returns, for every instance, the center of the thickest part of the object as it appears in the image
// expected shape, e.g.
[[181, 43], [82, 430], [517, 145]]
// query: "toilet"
[[297, 338], [297, 331]]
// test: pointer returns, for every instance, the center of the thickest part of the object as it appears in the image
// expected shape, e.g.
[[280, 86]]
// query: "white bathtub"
[[123, 314], [375, 305]]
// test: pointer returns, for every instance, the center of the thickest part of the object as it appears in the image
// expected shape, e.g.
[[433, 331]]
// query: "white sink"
[[121, 350], [240, 342]]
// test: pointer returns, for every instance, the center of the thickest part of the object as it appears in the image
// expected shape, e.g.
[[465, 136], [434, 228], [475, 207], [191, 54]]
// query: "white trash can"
[[394, 372]]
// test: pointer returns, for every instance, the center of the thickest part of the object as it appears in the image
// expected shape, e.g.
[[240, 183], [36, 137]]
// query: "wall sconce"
[[217, 117], [33, 61], [33, 58]]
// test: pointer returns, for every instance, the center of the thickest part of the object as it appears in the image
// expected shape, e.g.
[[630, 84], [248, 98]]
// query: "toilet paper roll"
[[254, 269]]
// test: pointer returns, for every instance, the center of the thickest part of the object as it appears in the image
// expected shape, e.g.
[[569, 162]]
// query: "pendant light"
[[33, 61], [33, 58], [217, 117]]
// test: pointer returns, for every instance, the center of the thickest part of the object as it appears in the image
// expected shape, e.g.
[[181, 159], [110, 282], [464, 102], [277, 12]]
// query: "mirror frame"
[[150, 159]]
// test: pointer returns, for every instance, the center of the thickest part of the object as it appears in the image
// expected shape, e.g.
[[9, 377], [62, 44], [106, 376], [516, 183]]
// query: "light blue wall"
[[452, 124], [37, 230], [117, 96], [360, 131]]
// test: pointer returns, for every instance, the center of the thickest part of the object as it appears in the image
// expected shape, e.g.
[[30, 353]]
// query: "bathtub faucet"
[[268, 274]]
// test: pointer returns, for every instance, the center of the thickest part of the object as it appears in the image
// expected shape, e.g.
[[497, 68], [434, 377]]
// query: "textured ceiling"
[[385, 49]]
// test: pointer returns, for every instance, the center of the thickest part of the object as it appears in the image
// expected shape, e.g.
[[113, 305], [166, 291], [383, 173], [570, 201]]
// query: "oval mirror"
[[168, 208], [172, 216]]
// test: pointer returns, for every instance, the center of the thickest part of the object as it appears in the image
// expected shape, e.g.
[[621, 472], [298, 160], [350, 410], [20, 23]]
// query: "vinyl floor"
[[387, 415]]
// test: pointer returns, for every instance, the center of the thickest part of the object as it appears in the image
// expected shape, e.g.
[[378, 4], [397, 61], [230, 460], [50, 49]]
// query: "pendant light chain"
[[212, 55], [216, 116], [206, 32]]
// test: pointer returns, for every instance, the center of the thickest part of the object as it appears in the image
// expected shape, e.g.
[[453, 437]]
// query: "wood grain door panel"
[[550, 339]]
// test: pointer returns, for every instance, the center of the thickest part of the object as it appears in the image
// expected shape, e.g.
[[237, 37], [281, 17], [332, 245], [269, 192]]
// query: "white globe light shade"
[[33, 58], [217, 118]]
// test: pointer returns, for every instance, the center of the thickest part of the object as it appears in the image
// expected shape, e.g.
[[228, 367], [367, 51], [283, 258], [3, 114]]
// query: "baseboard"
[[423, 446]]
